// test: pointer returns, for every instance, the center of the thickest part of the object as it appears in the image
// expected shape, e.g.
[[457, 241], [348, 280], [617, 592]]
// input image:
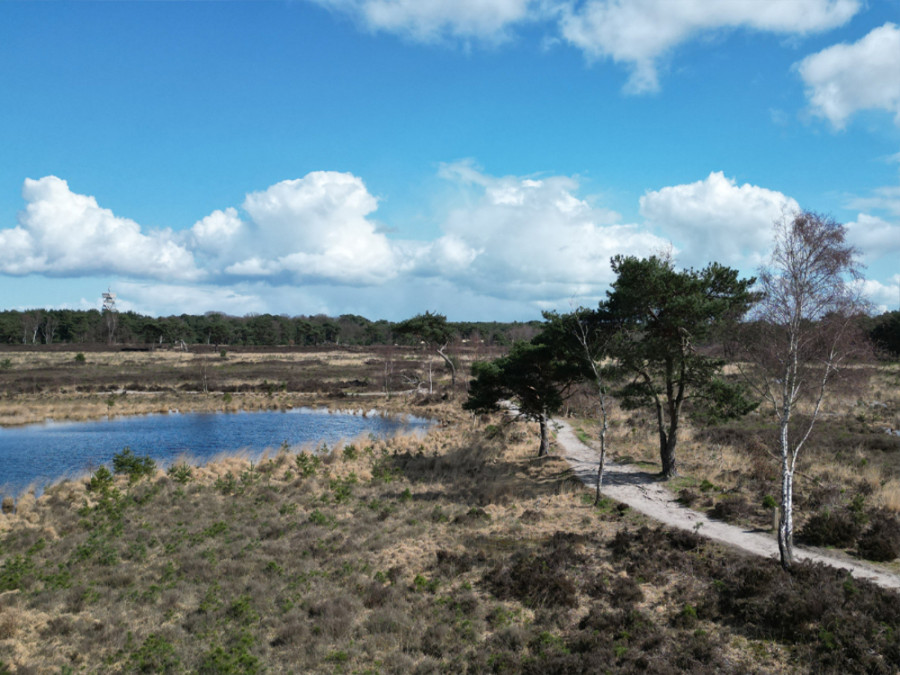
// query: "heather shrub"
[[731, 509], [849, 625], [830, 528], [881, 541], [687, 497], [8, 505], [533, 579]]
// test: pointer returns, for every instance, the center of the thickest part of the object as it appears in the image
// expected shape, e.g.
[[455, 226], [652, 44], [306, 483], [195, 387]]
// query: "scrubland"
[[68, 385], [847, 489], [456, 552]]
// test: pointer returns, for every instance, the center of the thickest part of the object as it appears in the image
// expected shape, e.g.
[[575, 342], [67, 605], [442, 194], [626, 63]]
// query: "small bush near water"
[[129, 464]]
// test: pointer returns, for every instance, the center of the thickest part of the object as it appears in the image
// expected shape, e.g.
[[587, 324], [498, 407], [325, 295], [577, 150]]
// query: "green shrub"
[[129, 464], [318, 518], [79, 357], [14, 571], [5, 364], [236, 659], [181, 473], [101, 481], [307, 464], [155, 656], [226, 484]]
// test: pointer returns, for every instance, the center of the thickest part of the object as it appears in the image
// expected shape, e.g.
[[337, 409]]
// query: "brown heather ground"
[[38, 384], [848, 477], [459, 552]]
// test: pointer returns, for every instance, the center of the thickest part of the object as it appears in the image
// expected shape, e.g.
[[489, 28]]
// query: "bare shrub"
[[731, 508], [10, 623], [333, 617]]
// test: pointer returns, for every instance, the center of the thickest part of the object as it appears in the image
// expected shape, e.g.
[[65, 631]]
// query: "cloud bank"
[[61, 233], [523, 241]]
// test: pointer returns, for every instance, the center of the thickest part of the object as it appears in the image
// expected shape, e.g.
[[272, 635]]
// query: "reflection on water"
[[42, 453]]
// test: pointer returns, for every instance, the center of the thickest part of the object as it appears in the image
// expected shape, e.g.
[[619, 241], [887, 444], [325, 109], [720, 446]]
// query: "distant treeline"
[[67, 326]]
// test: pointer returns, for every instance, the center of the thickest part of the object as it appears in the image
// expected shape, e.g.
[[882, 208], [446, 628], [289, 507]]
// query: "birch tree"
[[803, 333], [586, 340]]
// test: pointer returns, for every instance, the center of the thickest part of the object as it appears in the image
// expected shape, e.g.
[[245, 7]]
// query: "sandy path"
[[643, 492]]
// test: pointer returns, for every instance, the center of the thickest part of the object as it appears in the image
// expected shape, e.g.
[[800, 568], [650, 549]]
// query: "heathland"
[[457, 552]]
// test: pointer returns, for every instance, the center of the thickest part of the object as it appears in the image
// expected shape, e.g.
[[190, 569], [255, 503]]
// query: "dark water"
[[44, 453]]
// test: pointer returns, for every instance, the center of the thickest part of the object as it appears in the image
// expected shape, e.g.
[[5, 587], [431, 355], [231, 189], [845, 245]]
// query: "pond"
[[44, 453]]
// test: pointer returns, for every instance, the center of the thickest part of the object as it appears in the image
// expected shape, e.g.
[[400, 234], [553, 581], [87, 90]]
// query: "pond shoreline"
[[25, 410], [76, 448]]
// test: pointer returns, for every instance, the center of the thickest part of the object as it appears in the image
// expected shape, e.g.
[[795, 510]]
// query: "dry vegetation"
[[454, 553], [847, 491], [457, 552], [40, 384]]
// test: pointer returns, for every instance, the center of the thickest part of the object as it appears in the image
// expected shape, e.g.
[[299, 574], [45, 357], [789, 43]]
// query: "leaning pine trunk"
[[545, 437]]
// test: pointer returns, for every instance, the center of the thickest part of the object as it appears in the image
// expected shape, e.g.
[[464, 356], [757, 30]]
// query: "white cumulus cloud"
[[529, 239], [847, 78], [62, 233], [640, 32], [315, 227], [873, 236], [716, 219], [216, 232], [882, 295]]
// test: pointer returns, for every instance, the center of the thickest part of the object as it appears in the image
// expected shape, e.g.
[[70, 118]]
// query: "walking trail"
[[644, 492]]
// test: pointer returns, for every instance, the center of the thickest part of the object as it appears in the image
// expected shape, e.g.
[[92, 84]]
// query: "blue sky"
[[479, 158]]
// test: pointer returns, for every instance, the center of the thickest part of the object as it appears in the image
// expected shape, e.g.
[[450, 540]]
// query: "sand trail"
[[644, 492]]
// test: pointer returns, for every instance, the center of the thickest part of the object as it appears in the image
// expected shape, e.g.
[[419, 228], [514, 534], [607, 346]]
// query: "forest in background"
[[69, 326], [86, 327]]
